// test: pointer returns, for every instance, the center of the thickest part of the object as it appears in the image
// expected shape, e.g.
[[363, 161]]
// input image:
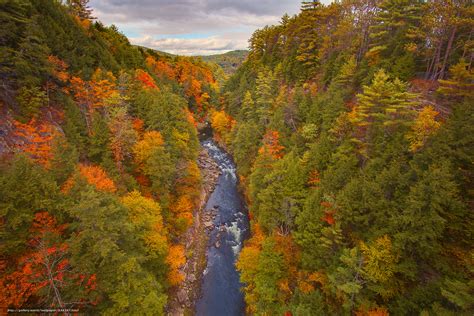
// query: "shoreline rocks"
[[183, 298]]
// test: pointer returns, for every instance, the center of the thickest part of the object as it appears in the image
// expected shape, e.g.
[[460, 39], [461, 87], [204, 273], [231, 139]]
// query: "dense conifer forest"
[[351, 125]]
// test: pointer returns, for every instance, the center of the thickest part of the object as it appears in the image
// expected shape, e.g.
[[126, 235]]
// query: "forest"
[[351, 125]]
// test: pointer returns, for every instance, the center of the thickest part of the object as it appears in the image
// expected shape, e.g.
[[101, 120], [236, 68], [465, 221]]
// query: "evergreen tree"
[[264, 95], [107, 246], [396, 28], [14, 16], [270, 270], [460, 84], [383, 99], [248, 110], [309, 5], [31, 60], [80, 8], [281, 199], [245, 146], [25, 189]]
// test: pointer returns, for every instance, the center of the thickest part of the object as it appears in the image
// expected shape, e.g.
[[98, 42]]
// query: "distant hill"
[[229, 61]]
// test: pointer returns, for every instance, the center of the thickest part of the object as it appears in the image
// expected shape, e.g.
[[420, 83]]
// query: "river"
[[221, 289]]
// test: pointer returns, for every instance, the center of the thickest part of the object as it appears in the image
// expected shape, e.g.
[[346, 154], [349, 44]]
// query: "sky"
[[192, 27]]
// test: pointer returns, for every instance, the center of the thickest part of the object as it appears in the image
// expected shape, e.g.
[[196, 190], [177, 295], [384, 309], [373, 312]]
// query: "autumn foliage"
[[196, 79], [95, 93], [95, 176], [36, 141], [59, 73], [95, 218], [222, 124], [175, 259], [424, 126], [44, 267], [143, 149], [147, 81], [271, 145]]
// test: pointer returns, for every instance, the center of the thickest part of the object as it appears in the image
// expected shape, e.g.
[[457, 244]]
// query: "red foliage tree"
[[329, 212]]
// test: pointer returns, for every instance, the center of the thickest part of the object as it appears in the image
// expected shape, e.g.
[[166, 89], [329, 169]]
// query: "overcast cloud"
[[192, 27]]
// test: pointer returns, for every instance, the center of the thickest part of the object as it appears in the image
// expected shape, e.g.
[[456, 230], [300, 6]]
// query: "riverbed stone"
[[182, 296], [192, 278]]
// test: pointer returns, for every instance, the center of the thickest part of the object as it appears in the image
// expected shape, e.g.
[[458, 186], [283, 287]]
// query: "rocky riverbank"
[[183, 298]]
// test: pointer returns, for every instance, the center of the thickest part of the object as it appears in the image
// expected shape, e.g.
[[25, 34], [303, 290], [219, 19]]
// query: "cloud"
[[199, 46], [174, 25]]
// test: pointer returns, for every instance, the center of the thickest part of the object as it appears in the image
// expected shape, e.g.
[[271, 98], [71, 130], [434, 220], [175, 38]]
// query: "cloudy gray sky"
[[192, 27]]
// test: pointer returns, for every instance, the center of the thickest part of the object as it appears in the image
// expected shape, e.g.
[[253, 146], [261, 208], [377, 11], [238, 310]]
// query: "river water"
[[221, 288]]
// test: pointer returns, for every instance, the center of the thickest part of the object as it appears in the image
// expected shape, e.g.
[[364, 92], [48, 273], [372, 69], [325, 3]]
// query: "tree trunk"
[[436, 59], [448, 52]]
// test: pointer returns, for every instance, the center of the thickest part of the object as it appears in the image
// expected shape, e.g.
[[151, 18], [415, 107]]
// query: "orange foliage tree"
[[122, 136], [97, 93], [161, 68], [175, 260], [142, 151], [37, 140], [59, 72], [424, 126], [187, 187], [378, 311], [95, 176], [271, 145], [307, 281], [104, 88], [329, 211], [314, 179], [290, 252], [145, 78]]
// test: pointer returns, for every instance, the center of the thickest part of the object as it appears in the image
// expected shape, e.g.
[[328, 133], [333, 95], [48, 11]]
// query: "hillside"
[[352, 128], [99, 175]]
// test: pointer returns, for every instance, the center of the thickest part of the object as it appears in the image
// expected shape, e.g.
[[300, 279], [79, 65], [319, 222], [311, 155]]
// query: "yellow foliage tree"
[[379, 260], [247, 265], [145, 213], [425, 125], [143, 149], [222, 124]]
